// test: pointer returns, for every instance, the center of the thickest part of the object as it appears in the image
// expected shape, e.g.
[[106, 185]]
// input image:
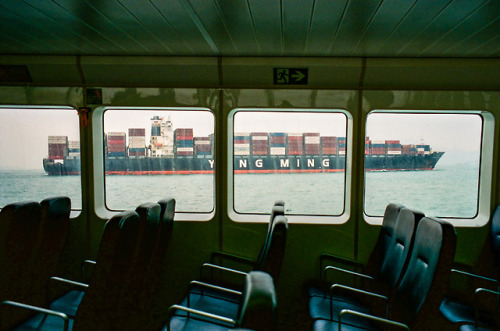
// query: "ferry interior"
[[352, 233]]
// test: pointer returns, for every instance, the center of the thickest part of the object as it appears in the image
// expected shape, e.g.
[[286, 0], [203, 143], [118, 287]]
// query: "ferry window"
[[427, 161], [39, 154], [295, 156], [153, 154]]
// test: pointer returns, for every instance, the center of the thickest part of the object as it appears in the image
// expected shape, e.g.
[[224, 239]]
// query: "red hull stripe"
[[161, 172], [208, 172]]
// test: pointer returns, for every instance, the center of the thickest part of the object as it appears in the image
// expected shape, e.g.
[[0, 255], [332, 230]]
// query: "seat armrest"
[[356, 291], [209, 286], [465, 273], [41, 310], [352, 273], [174, 308], [483, 292], [70, 282], [221, 268], [235, 258], [372, 318], [326, 257]]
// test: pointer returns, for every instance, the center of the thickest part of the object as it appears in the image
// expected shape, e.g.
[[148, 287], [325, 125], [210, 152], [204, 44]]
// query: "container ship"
[[177, 151]]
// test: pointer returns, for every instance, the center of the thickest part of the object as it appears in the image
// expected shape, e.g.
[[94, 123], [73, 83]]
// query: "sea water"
[[450, 191]]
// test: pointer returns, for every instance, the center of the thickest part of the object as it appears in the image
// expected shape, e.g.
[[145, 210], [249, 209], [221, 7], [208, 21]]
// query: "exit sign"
[[290, 76]]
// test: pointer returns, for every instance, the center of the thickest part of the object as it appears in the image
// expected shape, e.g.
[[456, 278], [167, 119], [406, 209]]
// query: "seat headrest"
[[55, 210], [390, 216], [149, 213], [259, 302], [23, 215], [57, 205], [167, 213], [279, 203], [277, 210]]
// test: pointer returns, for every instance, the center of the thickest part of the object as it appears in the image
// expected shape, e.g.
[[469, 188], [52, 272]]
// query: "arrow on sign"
[[298, 76], [290, 76]]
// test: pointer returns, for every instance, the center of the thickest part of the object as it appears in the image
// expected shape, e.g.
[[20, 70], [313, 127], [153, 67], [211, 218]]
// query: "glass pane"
[[40, 155], [425, 161], [154, 154], [298, 157]]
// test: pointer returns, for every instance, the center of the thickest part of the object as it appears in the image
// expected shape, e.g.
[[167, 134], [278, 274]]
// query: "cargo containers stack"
[[378, 147], [183, 142], [136, 142], [74, 149], [393, 147], [406, 149], [341, 143], [260, 143], [423, 149], [367, 146], [409, 149], [115, 142], [312, 143], [329, 145], [58, 147], [242, 143], [277, 143], [295, 144], [202, 146], [413, 150]]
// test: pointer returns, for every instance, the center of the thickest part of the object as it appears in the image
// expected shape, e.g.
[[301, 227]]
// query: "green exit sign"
[[290, 76]]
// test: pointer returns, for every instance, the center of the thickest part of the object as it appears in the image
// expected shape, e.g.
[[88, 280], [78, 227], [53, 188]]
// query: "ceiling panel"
[[237, 21], [439, 28], [355, 21], [266, 20], [325, 23], [296, 24], [380, 26], [187, 25], [340, 28], [411, 24]]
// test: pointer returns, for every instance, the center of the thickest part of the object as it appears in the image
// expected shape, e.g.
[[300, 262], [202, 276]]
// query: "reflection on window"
[[151, 155], [427, 161], [295, 156], [40, 155]]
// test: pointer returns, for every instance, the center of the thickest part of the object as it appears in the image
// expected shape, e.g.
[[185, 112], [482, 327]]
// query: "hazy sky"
[[24, 133]]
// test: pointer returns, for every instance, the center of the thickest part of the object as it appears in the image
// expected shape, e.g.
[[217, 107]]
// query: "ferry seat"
[[100, 296], [150, 306], [482, 309], [384, 280], [330, 262], [256, 312], [54, 231], [415, 303], [243, 263], [132, 307], [226, 301], [22, 220]]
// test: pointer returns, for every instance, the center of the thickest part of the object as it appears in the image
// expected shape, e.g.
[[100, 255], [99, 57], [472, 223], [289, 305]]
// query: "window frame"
[[292, 218], [75, 212], [485, 167], [98, 164]]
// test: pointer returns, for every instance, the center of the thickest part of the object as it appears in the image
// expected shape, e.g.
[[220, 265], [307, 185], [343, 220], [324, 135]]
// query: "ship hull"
[[244, 164]]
